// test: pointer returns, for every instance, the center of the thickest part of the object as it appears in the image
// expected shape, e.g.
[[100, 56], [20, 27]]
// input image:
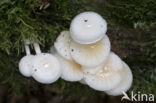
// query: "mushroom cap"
[[125, 83], [62, 45], [87, 28], [92, 70], [26, 65], [71, 71], [106, 77], [114, 61], [89, 70], [90, 54], [46, 68]]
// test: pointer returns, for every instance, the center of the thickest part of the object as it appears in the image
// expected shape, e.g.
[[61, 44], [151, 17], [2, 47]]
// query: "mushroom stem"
[[27, 49], [37, 48]]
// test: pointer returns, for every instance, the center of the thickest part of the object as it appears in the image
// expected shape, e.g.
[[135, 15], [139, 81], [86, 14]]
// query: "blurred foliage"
[[43, 20]]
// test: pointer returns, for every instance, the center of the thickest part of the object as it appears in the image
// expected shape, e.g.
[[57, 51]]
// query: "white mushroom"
[[25, 64], [62, 45], [46, 67], [89, 70], [88, 27], [125, 83], [71, 71], [90, 54], [92, 70], [105, 76], [113, 61]]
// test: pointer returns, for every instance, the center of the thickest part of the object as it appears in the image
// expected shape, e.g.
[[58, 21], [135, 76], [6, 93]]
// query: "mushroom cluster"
[[81, 54], [85, 56]]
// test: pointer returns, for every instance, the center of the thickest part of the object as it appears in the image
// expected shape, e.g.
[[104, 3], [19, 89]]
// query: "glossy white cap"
[[88, 27], [46, 68], [125, 83], [71, 71], [26, 65], [62, 45], [90, 54], [105, 76]]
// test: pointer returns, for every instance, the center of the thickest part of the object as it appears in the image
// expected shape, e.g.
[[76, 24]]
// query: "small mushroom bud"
[[90, 54], [62, 45], [125, 83], [105, 76], [25, 64], [87, 28], [46, 67], [71, 71]]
